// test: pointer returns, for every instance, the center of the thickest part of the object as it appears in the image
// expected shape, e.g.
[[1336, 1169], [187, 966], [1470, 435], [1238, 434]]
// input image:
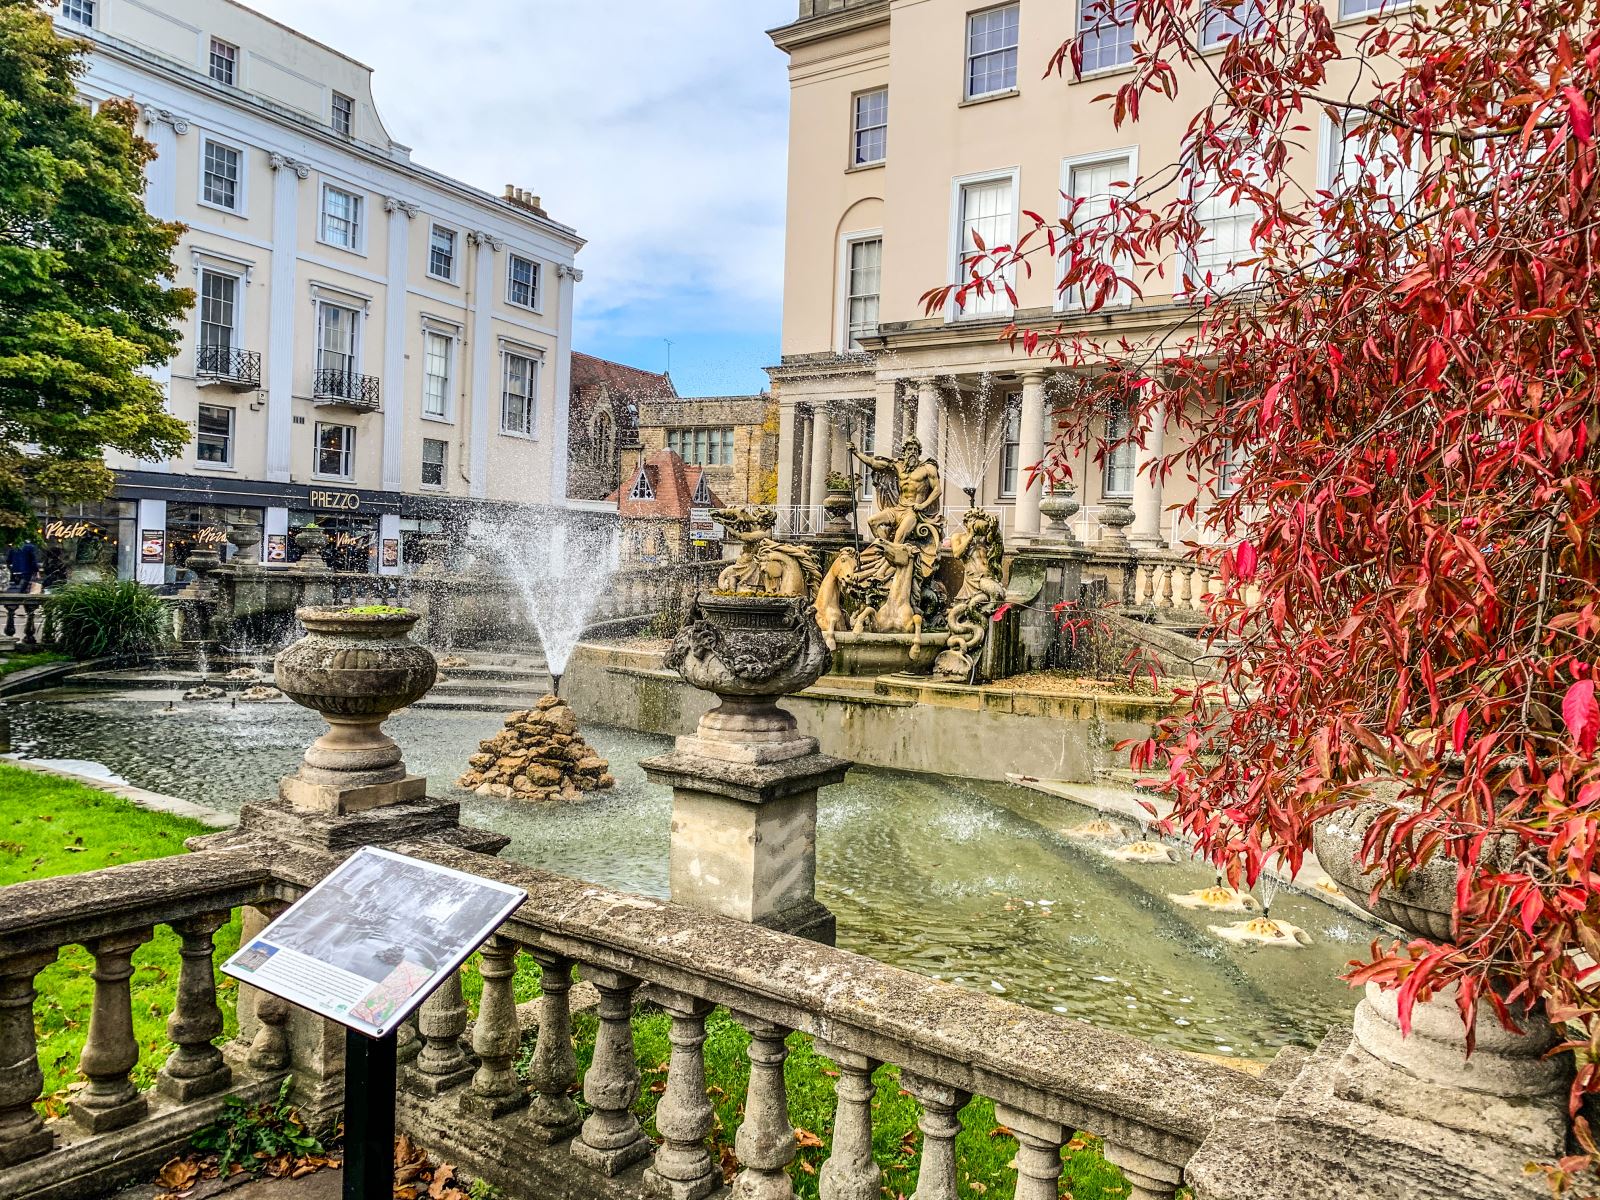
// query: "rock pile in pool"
[[537, 756]]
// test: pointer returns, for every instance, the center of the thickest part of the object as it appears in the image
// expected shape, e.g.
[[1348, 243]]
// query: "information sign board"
[[369, 943]]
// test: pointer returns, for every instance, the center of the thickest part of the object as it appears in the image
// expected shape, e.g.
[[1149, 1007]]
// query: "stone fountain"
[[744, 784]]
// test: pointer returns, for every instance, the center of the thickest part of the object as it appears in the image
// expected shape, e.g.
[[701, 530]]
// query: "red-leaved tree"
[[1400, 372]]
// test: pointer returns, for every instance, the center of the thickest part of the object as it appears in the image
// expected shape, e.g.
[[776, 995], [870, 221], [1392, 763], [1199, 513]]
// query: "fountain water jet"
[[976, 435]]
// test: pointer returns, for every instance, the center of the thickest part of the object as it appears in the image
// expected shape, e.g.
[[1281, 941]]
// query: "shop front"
[[83, 543]]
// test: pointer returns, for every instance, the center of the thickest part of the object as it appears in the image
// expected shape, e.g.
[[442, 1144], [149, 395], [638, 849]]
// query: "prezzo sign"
[[334, 501]]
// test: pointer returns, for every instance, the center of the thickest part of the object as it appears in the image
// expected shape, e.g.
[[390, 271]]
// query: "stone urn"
[[311, 541], [1059, 508], [203, 560], [1115, 518], [245, 537], [749, 651], [353, 667], [837, 506], [1503, 1064]]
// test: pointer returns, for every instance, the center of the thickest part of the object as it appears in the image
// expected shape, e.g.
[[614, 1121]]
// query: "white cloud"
[[657, 129]]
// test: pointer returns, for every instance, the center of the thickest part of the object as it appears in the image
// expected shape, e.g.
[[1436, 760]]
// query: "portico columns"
[[821, 455], [1146, 529], [928, 416], [885, 414], [1030, 450], [788, 450]]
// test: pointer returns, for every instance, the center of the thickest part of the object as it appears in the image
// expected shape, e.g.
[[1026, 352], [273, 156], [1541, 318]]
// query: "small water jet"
[[1220, 898], [204, 692], [1150, 853], [975, 434], [1098, 830], [1263, 930], [260, 693]]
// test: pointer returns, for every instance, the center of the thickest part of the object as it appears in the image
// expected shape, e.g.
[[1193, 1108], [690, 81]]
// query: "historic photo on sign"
[[368, 943]]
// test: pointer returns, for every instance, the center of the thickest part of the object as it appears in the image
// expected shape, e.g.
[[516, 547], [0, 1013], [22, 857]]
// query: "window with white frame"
[[343, 119], [338, 340], [871, 127], [1226, 214], [863, 286], [79, 11], [341, 217], [336, 450], [986, 218], [992, 51], [219, 313], [213, 436], [1228, 470], [1105, 32], [702, 447], [434, 454], [522, 282], [221, 171], [442, 253], [438, 355], [1350, 156], [518, 397], [1228, 19], [1116, 481], [641, 489], [1360, 8], [1094, 185], [1011, 446], [224, 61]]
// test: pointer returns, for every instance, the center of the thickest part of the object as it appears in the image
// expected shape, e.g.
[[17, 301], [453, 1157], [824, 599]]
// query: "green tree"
[[84, 301]]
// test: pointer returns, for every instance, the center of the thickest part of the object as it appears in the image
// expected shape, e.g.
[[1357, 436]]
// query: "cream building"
[[374, 345], [914, 126]]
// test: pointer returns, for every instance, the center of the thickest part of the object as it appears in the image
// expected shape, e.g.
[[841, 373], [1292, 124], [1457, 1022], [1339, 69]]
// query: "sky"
[[657, 130]]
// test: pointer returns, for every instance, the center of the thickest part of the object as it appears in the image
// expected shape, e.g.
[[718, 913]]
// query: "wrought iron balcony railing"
[[346, 388], [239, 369]]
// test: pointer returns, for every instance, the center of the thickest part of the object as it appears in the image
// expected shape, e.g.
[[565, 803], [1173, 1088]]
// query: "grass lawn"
[[21, 662], [51, 826]]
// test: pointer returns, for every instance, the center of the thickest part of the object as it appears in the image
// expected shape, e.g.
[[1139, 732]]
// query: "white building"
[[374, 346]]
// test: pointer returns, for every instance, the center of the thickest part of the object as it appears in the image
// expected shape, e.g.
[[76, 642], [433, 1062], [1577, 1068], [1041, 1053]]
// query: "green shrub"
[[94, 619]]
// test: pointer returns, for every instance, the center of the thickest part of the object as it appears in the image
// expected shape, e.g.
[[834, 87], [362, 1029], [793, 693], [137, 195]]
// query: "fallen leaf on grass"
[[806, 1167], [729, 1164], [806, 1139], [178, 1173], [1001, 1131]]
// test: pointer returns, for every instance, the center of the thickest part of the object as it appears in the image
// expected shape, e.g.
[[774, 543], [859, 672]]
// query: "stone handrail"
[[34, 629], [1049, 1076]]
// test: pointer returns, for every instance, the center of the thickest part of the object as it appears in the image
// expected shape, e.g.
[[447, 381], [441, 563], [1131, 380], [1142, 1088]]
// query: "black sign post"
[[365, 947], [369, 1091]]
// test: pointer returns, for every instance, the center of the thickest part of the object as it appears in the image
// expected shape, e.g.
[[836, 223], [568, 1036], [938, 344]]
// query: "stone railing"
[[112, 1132], [27, 620], [462, 1097]]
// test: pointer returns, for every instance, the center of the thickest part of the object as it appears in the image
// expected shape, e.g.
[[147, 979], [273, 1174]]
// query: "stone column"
[[162, 130], [485, 386], [1030, 449], [1146, 529], [838, 451], [821, 455], [394, 393], [886, 418], [788, 431], [281, 365], [928, 405]]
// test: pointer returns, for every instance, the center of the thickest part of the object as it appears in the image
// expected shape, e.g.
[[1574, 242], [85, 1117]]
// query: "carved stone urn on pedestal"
[[1115, 518], [744, 813], [1059, 508], [837, 505], [245, 537], [311, 542], [354, 668]]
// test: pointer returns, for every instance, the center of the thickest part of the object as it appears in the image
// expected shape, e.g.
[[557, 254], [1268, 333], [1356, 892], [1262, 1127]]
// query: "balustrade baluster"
[[851, 1173], [30, 638], [1148, 1178], [1186, 596], [407, 1041], [441, 1064], [269, 1050], [683, 1168], [11, 620], [496, 1037], [195, 1067], [1039, 1145], [1167, 571], [22, 1133], [611, 1140], [554, 1069], [940, 1123], [765, 1141], [109, 1100]]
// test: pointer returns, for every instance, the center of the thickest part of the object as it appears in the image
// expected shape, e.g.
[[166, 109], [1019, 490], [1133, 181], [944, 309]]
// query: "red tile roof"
[[674, 483], [591, 372]]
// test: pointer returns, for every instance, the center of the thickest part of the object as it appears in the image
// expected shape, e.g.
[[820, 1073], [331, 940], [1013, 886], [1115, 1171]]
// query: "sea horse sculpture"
[[764, 564], [979, 547], [830, 596]]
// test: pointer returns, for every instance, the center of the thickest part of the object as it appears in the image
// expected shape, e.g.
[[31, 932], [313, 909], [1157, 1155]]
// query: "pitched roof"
[[673, 484], [591, 372]]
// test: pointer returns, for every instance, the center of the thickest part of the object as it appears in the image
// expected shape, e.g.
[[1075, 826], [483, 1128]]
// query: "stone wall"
[[755, 447], [938, 729]]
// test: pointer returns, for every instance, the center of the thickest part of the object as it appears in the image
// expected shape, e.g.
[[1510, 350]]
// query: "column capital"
[[1034, 375], [479, 238], [280, 162], [393, 204], [566, 271], [165, 116]]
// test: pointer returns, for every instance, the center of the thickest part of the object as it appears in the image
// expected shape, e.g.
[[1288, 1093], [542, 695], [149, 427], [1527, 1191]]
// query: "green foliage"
[[82, 266], [840, 482], [21, 662], [376, 610], [253, 1135], [121, 617], [51, 826]]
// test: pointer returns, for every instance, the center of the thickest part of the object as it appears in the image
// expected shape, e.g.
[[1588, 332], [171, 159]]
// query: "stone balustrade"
[[462, 1097], [27, 620]]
